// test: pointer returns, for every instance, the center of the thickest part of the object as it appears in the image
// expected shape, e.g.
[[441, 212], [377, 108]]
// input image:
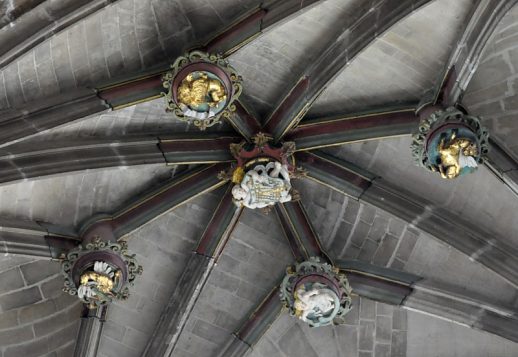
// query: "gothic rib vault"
[[431, 262]]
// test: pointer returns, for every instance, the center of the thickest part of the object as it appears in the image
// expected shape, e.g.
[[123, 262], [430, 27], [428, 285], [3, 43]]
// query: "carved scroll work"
[[316, 293], [201, 88], [263, 173]]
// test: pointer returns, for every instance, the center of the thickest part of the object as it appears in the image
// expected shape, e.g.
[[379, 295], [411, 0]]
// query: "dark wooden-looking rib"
[[354, 38], [254, 327], [149, 206], [343, 129], [336, 174], [431, 298], [299, 232], [253, 24], [133, 89], [454, 231], [90, 331], [176, 313], [27, 160], [243, 122], [36, 239], [198, 148], [465, 59], [378, 283], [40, 23]]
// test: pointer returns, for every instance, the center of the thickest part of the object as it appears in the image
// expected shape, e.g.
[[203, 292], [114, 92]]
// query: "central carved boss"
[[263, 173]]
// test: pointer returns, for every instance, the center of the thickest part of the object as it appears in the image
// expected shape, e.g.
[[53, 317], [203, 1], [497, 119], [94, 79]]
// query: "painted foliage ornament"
[[451, 143], [316, 293], [201, 88], [263, 173], [100, 272]]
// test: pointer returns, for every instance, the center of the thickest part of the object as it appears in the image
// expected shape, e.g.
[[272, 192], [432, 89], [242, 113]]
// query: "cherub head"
[[470, 150], [217, 92]]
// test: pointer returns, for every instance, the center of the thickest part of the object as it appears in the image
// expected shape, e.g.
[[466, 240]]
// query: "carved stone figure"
[[100, 281], [314, 304], [456, 154], [316, 292], [263, 186], [201, 88], [450, 142], [99, 271], [200, 96]]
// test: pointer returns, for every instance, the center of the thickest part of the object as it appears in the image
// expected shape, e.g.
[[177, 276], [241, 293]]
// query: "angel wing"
[[103, 268], [467, 161]]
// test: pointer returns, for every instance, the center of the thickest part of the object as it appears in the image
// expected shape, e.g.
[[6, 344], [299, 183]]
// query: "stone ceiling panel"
[[480, 199], [493, 90], [372, 329], [163, 248], [436, 261], [350, 230], [143, 119], [124, 37], [430, 337], [207, 16], [69, 200], [402, 64], [36, 316], [253, 262], [273, 63]]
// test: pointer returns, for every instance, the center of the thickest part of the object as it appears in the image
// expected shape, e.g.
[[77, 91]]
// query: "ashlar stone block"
[[11, 280], [20, 298]]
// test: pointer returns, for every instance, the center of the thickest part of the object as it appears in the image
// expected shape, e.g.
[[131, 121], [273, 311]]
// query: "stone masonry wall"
[[36, 317]]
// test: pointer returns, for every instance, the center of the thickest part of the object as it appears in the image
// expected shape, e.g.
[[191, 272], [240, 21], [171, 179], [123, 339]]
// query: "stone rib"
[[176, 313], [492, 253], [28, 160], [350, 41], [37, 239]]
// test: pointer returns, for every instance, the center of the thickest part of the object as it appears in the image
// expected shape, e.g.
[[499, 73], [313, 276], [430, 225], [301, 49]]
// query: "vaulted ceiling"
[[68, 153]]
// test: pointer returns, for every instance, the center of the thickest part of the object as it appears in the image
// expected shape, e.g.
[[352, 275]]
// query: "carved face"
[[239, 193]]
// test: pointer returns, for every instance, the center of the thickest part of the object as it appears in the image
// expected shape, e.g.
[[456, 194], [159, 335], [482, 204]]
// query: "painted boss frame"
[[201, 88]]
